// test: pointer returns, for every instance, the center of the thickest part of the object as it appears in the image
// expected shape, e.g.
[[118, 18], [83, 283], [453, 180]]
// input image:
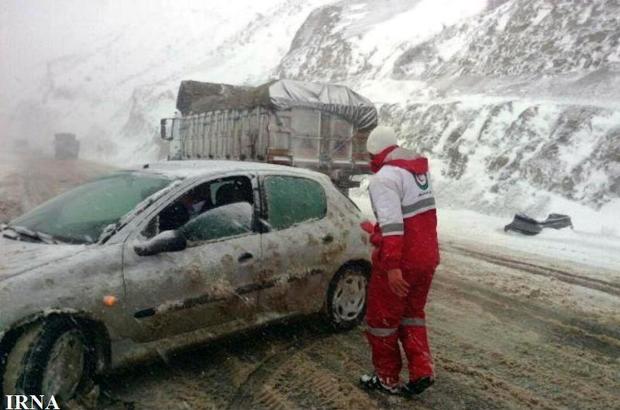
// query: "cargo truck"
[[323, 127]]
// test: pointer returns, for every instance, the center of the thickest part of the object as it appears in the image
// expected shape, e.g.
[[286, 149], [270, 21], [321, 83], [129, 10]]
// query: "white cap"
[[380, 138]]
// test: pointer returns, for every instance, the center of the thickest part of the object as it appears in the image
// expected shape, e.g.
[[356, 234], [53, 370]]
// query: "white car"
[[172, 254]]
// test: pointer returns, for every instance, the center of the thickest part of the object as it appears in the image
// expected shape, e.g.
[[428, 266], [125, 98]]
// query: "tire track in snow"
[[567, 277]]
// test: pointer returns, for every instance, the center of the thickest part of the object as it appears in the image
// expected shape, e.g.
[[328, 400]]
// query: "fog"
[[35, 32], [42, 40]]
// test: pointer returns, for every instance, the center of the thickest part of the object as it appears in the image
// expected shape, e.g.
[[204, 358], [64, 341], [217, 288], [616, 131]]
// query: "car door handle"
[[245, 257], [328, 238]]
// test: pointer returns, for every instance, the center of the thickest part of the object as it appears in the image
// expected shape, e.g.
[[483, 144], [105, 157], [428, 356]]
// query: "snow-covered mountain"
[[517, 105], [515, 101]]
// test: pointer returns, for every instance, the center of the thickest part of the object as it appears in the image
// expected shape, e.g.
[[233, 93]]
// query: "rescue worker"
[[403, 263]]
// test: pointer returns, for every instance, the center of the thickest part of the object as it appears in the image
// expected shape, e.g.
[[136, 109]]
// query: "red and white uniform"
[[405, 237]]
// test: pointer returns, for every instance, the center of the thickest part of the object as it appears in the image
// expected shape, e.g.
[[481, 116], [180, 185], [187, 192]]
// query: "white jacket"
[[397, 192]]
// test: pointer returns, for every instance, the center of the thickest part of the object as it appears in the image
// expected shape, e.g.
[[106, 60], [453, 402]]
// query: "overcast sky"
[[35, 31]]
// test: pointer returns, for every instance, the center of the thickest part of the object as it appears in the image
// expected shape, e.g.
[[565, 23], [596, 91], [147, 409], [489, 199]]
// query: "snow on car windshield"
[[80, 215]]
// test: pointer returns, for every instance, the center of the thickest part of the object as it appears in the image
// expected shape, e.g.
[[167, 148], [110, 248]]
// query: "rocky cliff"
[[517, 104]]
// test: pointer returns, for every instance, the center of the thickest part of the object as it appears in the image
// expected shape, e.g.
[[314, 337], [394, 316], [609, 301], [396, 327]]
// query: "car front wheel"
[[346, 297], [50, 358]]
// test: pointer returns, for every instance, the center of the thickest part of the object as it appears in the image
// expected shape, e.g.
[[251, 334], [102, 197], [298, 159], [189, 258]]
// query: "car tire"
[[50, 357], [346, 297]]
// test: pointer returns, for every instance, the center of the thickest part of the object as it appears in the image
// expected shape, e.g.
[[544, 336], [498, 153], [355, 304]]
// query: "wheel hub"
[[65, 368], [349, 297]]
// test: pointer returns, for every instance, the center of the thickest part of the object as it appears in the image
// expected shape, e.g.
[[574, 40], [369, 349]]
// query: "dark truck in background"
[[323, 127], [66, 146]]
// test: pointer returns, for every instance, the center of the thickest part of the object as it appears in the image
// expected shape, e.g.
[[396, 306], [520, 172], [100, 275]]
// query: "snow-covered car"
[[168, 255]]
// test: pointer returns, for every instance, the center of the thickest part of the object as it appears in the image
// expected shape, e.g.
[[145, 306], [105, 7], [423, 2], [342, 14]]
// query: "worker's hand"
[[368, 226], [397, 284]]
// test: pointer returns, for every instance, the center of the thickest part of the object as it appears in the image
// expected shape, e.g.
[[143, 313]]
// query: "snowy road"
[[493, 347], [509, 328]]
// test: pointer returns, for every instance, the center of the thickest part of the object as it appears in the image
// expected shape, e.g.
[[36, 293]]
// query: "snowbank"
[[583, 245]]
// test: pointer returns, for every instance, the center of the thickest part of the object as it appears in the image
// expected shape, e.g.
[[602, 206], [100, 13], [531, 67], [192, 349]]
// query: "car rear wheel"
[[346, 297], [50, 358]]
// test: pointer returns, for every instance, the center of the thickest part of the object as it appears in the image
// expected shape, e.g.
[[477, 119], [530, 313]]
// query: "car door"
[[295, 246], [212, 281]]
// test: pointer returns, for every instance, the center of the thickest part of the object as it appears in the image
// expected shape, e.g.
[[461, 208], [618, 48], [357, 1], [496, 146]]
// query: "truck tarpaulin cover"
[[198, 97]]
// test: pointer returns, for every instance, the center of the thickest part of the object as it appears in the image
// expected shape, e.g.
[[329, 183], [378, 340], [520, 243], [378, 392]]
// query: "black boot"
[[417, 387], [372, 382]]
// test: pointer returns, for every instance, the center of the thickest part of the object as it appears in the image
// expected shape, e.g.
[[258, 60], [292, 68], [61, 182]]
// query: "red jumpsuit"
[[404, 237]]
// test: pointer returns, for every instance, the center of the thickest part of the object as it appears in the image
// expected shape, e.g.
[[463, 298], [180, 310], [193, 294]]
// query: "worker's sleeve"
[[386, 201]]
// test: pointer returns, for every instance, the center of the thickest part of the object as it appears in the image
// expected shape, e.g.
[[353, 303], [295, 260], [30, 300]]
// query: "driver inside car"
[[182, 211], [198, 200]]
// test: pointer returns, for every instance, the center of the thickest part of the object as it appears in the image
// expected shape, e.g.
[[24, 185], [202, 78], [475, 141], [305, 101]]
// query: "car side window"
[[205, 212], [292, 200], [222, 222]]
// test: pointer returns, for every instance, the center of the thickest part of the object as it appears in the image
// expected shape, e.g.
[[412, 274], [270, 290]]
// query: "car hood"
[[17, 257]]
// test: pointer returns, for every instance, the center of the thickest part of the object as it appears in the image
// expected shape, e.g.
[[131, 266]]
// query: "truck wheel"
[[346, 297], [50, 358]]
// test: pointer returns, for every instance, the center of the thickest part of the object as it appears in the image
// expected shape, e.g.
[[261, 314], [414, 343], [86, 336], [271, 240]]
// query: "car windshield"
[[80, 215]]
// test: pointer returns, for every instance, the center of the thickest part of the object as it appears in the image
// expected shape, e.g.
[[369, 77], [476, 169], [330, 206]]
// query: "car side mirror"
[[167, 241], [166, 128]]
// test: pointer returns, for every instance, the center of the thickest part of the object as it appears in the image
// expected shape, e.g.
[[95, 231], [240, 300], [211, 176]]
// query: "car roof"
[[196, 168]]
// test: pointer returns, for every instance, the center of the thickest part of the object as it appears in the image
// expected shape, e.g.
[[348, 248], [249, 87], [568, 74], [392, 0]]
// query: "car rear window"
[[292, 200]]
